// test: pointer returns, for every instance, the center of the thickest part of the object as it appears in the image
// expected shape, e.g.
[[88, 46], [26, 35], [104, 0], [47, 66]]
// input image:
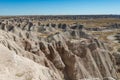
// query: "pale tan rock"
[[14, 67], [50, 53]]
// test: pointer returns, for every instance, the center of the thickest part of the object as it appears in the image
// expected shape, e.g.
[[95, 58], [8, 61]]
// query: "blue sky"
[[59, 7]]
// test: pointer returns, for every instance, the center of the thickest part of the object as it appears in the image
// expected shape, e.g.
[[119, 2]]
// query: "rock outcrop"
[[29, 51], [14, 67]]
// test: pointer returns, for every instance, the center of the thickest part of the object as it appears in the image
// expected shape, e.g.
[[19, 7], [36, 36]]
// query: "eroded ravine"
[[65, 52]]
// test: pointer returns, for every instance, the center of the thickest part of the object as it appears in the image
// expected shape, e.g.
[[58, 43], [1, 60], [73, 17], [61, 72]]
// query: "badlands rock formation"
[[14, 67], [30, 50]]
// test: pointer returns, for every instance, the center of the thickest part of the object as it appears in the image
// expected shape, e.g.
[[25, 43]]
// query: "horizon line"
[[59, 15]]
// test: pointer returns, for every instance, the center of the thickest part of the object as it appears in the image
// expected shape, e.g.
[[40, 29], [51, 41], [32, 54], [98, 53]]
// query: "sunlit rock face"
[[32, 51], [14, 67]]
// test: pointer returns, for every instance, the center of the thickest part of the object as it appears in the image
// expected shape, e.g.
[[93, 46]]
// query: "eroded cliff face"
[[14, 67], [30, 51]]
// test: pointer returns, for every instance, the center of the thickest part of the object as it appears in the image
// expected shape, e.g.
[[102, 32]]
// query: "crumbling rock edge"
[[37, 52]]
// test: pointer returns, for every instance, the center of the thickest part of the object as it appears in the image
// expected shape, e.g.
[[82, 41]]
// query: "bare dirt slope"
[[33, 51]]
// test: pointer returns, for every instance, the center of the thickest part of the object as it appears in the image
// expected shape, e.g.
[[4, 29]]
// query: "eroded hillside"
[[32, 50]]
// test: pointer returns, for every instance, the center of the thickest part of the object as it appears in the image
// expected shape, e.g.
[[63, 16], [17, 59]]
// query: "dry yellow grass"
[[87, 22], [103, 36]]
